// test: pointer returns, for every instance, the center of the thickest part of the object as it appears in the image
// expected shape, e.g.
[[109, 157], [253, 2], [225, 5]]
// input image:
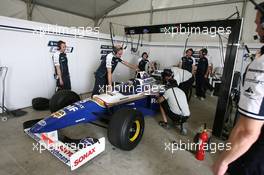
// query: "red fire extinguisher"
[[203, 138]]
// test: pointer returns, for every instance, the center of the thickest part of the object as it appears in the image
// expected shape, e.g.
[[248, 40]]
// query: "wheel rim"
[[134, 131]]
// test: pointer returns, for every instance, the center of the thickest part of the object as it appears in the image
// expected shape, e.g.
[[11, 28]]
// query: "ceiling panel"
[[87, 8]]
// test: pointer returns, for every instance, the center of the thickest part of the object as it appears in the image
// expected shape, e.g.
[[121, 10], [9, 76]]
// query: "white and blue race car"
[[124, 109]]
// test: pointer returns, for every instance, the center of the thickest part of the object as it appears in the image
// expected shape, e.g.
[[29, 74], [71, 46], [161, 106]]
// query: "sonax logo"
[[83, 157]]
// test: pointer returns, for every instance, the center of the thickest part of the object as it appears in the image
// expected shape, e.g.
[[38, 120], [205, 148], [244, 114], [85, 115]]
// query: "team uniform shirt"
[[202, 66], [251, 102], [251, 105], [60, 59], [108, 62], [142, 65], [188, 63], [139, 59], [181, 107], [181, 75]]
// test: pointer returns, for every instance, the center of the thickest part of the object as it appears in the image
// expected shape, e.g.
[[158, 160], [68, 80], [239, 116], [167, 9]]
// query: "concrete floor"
[[148, 158]]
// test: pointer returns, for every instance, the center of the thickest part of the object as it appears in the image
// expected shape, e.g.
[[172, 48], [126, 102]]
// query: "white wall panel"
[[31, 68], [30, 62]]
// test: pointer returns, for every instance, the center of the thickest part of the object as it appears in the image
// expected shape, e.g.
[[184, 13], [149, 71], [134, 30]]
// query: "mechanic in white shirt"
[[246, 156], [184, 79], [173, 103], [60, 61]]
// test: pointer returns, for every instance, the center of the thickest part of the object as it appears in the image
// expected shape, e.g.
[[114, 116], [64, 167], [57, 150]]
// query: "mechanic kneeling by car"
[[173, 102]]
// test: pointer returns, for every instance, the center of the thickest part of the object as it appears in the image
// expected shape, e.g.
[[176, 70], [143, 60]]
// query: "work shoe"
[[164, 124]]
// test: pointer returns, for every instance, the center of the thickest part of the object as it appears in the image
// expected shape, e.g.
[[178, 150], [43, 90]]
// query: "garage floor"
[[149, 157]]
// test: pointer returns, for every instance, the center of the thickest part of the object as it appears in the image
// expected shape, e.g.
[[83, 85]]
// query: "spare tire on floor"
[[40, 103], [126, 129], [62, 99]]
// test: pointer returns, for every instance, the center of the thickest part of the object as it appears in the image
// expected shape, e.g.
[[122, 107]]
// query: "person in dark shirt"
[[143, 62], [201, 74], [103, 75], [61, 67], [188, 62]]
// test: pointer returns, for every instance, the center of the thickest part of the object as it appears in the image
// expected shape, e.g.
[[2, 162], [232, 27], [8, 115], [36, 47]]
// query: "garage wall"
[[30, 62], [31, 70], [17, 9]]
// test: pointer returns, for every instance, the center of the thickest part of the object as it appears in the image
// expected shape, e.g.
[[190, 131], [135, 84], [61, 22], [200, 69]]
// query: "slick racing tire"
[[62, 99], [40, 103], [126, 129]]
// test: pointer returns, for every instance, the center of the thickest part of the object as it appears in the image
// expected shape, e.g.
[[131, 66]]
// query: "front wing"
[[74, 157]]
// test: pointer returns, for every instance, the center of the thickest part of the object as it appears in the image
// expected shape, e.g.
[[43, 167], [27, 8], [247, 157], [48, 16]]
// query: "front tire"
[[126, 129]]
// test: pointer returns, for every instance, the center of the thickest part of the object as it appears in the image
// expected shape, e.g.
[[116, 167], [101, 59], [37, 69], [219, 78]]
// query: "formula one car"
[[123, 108]]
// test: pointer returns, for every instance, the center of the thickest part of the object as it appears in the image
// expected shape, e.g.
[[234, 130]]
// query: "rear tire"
[[126, 129], [62, 99]]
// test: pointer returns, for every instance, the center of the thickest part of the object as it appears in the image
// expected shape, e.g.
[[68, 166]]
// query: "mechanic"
[[246, 156], [184, 79], [103, 75], [62, 74], [173, 102], [143, 62], [188, 62], [201, 74], [171, 81], [210, 71]]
